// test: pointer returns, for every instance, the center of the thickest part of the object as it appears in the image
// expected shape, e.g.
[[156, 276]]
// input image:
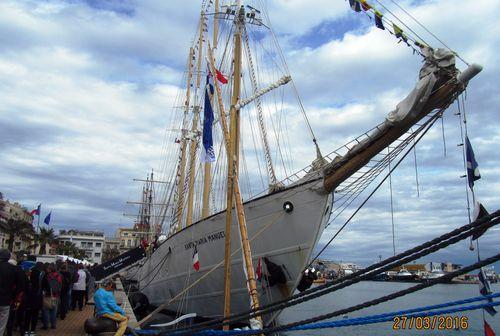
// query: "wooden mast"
[[216, 24], [207, 176], [233, 190], [182, 164], [194, 128]]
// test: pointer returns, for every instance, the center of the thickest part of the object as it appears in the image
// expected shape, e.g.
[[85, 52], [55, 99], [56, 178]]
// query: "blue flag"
[[485, 289], [208, 154], [472, 167], [47, 218]]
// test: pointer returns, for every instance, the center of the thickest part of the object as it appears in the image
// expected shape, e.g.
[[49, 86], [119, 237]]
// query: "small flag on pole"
[[399, 33], [355, 5], [220, 77], [478, 213], [488, 331], [484, 289], [472, 167], [196, 260], [47, 218], [36, 211], [258, 271], [378, 20]]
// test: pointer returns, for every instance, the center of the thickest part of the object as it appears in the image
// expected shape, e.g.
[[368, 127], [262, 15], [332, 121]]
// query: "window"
[[125, 234], [129, 243], [97, 255], [97, 244], [84, 244], [90, 244]]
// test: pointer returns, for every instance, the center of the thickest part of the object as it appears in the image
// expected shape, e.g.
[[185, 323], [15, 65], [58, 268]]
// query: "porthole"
[[288, 206]]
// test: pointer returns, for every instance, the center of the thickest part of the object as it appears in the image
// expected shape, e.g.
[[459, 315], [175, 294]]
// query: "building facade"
[[92, 242], [129, 238], [112, 243], [14, 210]]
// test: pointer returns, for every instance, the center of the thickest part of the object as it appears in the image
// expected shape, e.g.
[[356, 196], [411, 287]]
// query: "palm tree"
[[46, 236], [70, 249], [109, 254], [16, 227]]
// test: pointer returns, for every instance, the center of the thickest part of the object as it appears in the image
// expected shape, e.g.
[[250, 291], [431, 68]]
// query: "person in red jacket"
[[51, 285]]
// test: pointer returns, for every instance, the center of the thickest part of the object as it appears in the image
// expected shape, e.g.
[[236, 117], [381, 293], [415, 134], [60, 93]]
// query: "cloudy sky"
[[86, 88]]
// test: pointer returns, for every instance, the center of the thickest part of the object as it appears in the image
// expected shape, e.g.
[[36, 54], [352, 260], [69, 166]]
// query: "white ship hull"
[[286, 239]]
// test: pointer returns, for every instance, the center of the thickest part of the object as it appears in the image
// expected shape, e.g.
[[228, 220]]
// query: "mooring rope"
[[357, 321], [407, 256], [426, 311]]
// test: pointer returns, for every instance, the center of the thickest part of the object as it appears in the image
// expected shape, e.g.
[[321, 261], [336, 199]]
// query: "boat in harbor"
[[240, 225], [404, 275], [432, 275]]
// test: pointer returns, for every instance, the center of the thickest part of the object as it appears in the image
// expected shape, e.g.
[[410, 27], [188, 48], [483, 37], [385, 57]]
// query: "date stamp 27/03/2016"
[[445, 322]]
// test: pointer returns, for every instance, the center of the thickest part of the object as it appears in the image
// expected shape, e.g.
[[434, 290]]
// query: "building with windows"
[[129, 238], [112, 243], [92, 242], [14, 210]]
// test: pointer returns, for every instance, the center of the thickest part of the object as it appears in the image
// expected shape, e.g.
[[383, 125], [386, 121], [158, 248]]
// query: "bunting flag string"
[[365, 6]]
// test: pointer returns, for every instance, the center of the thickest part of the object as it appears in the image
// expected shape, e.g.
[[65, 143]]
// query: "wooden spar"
[[232, 157], [216, 23], [207, 175], [194, 142], [440, 99], [231, 137], [182, 164]]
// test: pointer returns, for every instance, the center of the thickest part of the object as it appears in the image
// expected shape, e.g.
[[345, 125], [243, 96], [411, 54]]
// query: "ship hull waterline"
[[287, 239]]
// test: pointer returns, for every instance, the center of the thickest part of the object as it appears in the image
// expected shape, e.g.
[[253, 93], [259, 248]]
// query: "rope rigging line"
[[416, 164], [285, 65], [357, 307], [387, 264], [428, 31], [462, 144], [423, 312], [257, 234], [371, 319], [308, 293], [392, 209], [429, 125]]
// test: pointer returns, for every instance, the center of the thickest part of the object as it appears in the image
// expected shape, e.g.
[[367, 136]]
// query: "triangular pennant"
[[355, 5], [378, 20]]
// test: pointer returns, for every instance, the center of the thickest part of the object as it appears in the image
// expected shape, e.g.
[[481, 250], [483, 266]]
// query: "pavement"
[[72, 325]]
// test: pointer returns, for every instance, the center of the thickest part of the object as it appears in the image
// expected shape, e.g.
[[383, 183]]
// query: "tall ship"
[[236, 215]]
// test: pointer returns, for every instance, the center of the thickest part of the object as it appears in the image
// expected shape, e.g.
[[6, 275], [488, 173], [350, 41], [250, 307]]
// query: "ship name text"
[[203, 240]]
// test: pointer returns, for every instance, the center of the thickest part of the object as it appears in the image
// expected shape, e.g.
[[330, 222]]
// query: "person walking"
[[87, 285], [34, 296], [51, 286], [105, 305], [79, 289], [16, 314], [9, 287], [67, 283]]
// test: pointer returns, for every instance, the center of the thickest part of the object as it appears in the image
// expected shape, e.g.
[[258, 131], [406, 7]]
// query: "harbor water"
[[368, 290]]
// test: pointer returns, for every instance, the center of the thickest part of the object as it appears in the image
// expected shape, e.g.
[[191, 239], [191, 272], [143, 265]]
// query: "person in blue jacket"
[[106, 306]]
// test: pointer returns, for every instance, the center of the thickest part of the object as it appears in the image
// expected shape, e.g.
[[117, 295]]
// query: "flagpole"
[[39, 214], [470, 187]]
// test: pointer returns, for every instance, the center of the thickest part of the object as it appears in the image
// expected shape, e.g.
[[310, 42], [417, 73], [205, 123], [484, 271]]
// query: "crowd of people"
[[31, 290]]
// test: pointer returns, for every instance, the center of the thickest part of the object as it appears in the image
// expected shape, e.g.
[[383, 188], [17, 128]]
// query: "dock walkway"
[[72, 325]]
